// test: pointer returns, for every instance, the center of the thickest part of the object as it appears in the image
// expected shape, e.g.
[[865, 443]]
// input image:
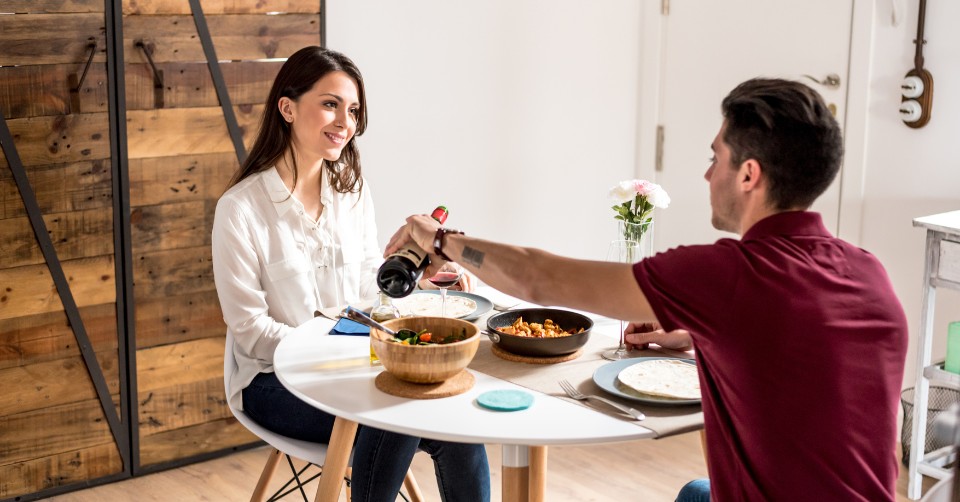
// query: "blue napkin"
[[351, 328]]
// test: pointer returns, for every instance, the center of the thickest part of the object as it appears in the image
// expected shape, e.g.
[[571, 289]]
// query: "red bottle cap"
[[440, 214]]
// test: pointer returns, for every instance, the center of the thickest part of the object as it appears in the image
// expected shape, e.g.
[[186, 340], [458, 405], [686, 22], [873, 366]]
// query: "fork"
[[579, 396]]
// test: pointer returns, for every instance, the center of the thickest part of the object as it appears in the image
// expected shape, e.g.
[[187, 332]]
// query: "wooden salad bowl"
[[426, 363]]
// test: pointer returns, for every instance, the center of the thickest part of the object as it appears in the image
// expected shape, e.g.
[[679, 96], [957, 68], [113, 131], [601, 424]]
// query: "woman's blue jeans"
[[380, 458], [697, 490]]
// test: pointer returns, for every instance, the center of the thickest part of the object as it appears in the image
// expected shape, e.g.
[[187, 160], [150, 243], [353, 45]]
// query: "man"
[[800, 339]]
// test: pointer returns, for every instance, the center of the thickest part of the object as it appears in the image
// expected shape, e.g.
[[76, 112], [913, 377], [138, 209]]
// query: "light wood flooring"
[[638, 470]]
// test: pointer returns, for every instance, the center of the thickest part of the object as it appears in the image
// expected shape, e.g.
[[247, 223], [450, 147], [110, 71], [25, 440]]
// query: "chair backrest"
[[314, 453]]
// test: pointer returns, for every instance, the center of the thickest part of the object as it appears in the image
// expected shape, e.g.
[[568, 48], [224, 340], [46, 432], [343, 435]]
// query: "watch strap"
[[438, 241]]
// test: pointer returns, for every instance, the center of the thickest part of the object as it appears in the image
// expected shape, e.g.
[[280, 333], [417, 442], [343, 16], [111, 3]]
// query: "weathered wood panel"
[[235, 37], [183, 405], [59, 188], [186, 131], [51, 6], [189, 441], [30, 290], [171, 226], [60, 139], [41, 433], [168, 274], [190, 85], [180, 159], [69, 467], [183, 178], [191, 316], [77, 234], [178, 364], [31, 91], [52, 383], [46, 337], [220, 6], [32, 39]]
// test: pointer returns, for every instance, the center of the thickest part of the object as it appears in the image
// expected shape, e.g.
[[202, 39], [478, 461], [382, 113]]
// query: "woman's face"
[[324, 119]]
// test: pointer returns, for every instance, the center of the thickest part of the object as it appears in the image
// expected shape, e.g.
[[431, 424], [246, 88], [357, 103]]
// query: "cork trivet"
[[457, 384], [510, 356]]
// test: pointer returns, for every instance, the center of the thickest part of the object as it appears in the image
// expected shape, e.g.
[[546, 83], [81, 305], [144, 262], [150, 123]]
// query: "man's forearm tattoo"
[[472, 256]]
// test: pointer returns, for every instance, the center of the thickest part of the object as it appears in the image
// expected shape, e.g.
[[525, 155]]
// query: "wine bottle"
[[400, 272]]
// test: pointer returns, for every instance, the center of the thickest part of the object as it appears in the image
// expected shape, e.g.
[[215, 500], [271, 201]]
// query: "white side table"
[[941, 268]]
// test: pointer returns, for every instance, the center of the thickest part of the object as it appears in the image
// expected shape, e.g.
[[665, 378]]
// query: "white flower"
[[624, 191], [658, 197]]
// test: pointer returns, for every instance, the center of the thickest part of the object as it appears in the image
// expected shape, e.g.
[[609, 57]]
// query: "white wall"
[[912, 172], [520, 114]]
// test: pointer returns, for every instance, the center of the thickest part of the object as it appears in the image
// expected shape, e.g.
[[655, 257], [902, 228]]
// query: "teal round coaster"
[[505, 400]]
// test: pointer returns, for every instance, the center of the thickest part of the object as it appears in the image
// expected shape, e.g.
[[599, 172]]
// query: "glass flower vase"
[[641, 233], [634, 242]]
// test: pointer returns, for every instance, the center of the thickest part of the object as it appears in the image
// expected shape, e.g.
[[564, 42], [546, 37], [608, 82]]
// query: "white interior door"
[[710, 47]]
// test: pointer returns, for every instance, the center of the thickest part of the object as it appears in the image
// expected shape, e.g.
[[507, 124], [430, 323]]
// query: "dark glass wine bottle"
[[400, 272]]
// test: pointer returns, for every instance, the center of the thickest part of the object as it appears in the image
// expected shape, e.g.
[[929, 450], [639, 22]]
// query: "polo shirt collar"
[[788, 223]]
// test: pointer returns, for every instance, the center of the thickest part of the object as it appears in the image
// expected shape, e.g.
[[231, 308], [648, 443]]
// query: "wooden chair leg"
[[268, 469], [413, 489]]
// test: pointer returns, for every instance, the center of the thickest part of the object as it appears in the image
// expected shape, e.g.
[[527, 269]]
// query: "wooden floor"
[[639, 470]]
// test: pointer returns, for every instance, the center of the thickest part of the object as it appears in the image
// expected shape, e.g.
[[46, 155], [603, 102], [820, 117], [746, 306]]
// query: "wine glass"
[[621, 251], [448, 275]]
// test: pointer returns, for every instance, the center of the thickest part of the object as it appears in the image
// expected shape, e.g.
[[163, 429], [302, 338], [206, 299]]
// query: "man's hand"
[[419, 230], [640, 335]]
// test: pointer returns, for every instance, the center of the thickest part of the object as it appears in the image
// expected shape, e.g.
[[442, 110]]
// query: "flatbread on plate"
[[668, 378], [428, 305]]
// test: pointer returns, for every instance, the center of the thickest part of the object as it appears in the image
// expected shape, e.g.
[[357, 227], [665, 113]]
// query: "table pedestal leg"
[[524, 472], [516, 473], [338, 456], [538, 473]]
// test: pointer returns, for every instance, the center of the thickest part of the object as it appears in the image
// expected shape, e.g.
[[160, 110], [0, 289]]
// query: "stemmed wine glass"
[[448, 275], [621, 251]]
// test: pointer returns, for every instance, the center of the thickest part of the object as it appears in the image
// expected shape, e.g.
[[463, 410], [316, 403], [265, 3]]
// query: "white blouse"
[[274, 266]]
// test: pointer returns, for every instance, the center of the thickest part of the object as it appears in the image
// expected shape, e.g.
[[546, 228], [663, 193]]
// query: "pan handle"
[[495, 338]]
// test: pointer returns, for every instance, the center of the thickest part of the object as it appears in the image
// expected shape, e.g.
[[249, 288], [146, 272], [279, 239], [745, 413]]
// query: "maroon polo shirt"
[[800, 344]]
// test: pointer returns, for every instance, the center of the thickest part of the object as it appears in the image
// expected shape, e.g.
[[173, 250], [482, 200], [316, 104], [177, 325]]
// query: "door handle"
[[832, 80]]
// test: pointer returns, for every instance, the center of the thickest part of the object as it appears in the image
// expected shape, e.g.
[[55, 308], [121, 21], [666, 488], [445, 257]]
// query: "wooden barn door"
[[118, 138], [62, 353], [181, 156]]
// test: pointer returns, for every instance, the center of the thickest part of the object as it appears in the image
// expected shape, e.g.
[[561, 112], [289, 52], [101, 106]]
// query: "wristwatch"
[[438, 241]]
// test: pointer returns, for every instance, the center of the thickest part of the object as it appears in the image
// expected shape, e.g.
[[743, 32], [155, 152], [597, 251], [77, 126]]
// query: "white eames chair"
[[283, 446]]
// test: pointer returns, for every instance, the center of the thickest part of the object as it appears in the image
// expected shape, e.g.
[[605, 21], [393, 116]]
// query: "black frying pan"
[[540, 347]]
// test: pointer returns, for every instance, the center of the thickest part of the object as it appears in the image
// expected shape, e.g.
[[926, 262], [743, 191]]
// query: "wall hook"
[[93, 51], [157, 75]]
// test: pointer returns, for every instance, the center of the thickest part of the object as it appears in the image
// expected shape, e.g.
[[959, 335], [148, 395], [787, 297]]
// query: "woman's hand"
[[467, 282], [640, 335]]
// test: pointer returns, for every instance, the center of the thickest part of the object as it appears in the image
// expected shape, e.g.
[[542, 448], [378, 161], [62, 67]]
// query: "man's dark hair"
[[789, 130]]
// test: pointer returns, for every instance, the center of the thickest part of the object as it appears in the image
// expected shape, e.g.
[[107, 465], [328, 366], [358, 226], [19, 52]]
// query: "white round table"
[[334, 374]]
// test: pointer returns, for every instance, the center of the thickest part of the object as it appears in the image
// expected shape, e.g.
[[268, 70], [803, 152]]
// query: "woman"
[[294, 233]]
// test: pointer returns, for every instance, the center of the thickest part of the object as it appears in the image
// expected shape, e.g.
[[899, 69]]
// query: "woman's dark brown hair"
[[274, 139]]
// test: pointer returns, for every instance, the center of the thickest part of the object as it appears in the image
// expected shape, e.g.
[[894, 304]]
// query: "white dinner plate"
[[606, 377], [483, 305]]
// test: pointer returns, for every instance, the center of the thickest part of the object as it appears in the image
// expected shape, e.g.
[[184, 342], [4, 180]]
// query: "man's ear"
[[750, 175]]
